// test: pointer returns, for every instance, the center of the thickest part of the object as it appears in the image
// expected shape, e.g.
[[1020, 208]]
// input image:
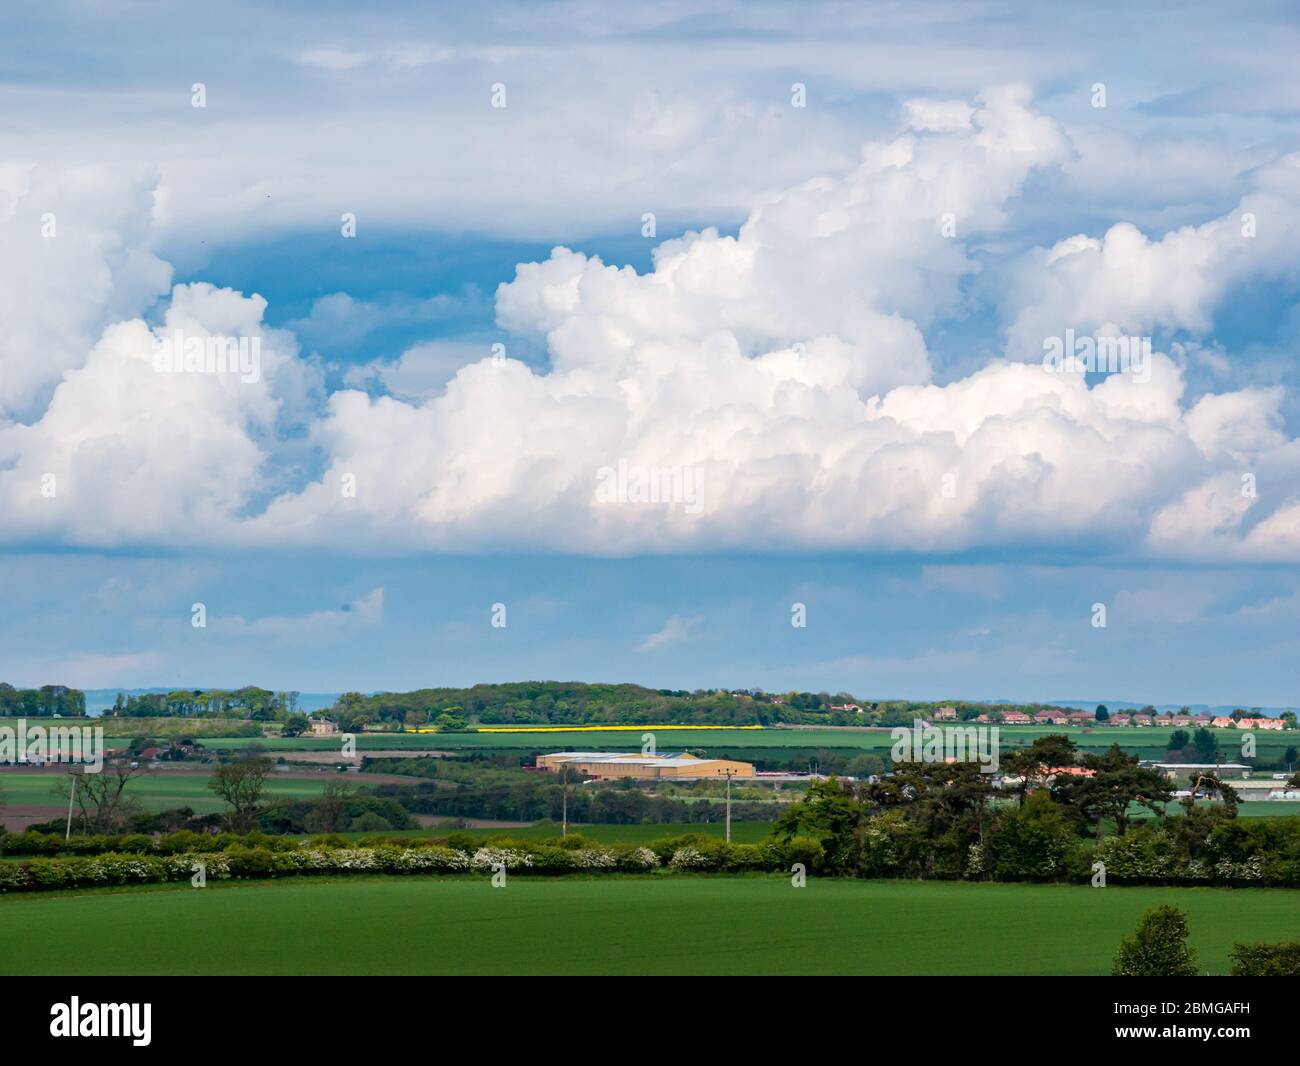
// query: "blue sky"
[[859, 390]]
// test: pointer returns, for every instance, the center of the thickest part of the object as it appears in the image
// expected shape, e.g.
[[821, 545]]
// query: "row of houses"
[[1088, 718]]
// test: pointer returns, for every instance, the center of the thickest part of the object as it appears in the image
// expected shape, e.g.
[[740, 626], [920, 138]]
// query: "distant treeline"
[[517, 703], [43, 702], [250, 702], [576, 703]]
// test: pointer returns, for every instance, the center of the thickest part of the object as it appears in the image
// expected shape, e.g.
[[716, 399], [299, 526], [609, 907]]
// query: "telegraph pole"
[[73, 773], [729, 776]]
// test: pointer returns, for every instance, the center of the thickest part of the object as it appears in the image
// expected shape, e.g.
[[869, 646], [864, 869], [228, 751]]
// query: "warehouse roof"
[[623, 758]]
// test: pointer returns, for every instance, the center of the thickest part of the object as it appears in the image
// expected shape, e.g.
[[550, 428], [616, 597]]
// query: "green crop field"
[[1247, 809], [1151, 742], [1267, 809], [617, 925], [156, 792]]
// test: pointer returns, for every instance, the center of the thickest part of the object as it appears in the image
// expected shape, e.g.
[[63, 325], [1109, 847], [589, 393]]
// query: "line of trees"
[[257, 704], [43, 702], [946, 820]]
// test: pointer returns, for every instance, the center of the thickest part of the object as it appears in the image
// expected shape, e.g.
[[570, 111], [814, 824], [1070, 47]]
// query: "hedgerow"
[[253, 857]]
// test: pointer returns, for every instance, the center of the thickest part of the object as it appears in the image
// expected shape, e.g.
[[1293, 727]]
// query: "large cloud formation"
[[778, 381]]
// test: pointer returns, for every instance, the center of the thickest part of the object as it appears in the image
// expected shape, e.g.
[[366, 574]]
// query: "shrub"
[[744, 857], [29, 843], [116, 868], [637, 859], [552, 860], [250, 862], [595, 859], [181, 841], [14, 877], [801, 849], [1033, 842], [688, 857], [1144, 853], [1266, 960], [891, 846], [47, 873], [1158, 948], [487, 857]]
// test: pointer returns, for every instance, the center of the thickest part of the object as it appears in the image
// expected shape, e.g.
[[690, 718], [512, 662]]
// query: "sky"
[[695, 345]]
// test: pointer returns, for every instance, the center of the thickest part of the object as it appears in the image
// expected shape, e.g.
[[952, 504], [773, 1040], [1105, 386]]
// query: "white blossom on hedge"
[[486, 858], [687, 858]]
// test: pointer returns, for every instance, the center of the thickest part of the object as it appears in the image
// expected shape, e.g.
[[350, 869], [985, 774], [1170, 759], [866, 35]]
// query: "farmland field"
[[1267, 809], [1150, 743], [157, 792], [651, 925]]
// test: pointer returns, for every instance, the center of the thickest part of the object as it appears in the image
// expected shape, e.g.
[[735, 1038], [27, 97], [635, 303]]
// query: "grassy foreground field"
[[653, 925]]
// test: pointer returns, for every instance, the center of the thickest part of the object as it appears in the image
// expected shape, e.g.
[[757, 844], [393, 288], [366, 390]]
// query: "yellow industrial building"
[[605, 766]]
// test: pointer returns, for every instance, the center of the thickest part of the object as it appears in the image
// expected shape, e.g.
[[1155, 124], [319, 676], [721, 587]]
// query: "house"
[[1119, 719], [1223, 722], [983, 718], [1177, 771], [945, 714], [1269, 723], [1052, 772], [1142, 719], [1180, 719], [846, 707], [322, 727], [1162, 719], [778, 700], [1016, 718]]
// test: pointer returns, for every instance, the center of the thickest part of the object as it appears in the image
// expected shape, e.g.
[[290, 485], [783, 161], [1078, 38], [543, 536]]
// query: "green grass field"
[[653, 925], [156, 793], [1151, 743], [1267, 809]]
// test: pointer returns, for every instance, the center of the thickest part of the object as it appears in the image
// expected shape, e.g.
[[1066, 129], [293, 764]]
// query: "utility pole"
[[73, 773], [729, 776], [564, 792]]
